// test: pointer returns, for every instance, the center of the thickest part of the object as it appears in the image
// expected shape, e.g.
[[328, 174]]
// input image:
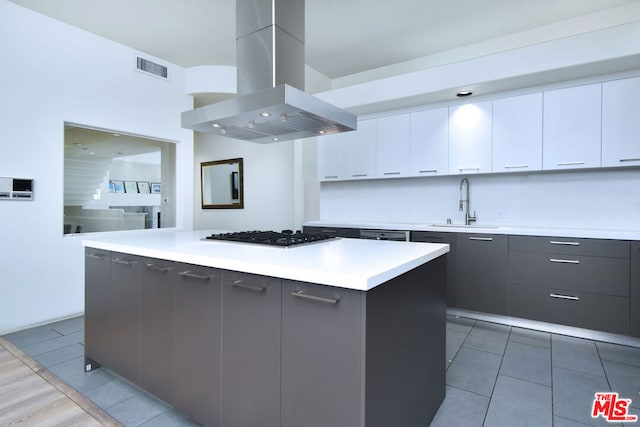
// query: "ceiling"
[[343, 37]]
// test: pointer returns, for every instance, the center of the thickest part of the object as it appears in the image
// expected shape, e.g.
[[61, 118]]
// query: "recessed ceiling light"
[[464, 93], [265, 114], [215, 125], [275, 139], [116, 134], [322, 132]]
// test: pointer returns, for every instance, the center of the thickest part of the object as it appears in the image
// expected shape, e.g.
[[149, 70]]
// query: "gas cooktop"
[[284, 238]]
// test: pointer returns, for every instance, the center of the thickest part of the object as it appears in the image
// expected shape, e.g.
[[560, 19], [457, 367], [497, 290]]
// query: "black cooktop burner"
[[285, 238]]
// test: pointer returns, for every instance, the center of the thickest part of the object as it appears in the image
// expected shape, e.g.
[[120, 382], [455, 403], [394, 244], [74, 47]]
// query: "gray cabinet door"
[[322, 356], [196, 342], [635, 289], [250, 350], [482, 281], [124, 320], [97, 303], [451, 239], [156, 327]]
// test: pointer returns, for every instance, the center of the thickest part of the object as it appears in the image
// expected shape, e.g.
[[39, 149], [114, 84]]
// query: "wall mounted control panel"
[[16, 189]]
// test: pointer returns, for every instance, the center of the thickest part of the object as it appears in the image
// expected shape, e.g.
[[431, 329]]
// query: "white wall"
[[607, 199], [268, 184], [52, 73]]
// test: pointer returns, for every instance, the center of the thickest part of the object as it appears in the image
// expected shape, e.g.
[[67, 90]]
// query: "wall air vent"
[[152, 68]]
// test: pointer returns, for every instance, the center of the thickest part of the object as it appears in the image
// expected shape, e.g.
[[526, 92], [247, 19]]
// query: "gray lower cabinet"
[[575, 282], [482, 279], [196, 342], [250, 350], [634, 292], [353, 358], [322, 370], [97, 302], [124, 322], [156, 322], [451, 239]]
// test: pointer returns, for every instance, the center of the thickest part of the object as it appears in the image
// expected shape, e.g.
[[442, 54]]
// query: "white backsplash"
[[603, 199]]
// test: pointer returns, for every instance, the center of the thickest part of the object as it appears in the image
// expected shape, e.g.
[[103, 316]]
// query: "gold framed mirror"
[[222, 184]]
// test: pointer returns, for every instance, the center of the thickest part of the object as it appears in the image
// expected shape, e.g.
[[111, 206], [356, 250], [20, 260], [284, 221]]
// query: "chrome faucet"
[[468, 219]]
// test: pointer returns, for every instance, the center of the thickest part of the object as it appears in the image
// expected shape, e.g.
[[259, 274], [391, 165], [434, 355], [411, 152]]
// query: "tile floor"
[[496, 376]]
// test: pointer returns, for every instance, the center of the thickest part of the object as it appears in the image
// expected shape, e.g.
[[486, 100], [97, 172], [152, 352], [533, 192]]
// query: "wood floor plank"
[[32, 395]]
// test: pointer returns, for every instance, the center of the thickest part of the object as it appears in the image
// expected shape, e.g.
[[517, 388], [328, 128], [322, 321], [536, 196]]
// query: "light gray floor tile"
[[527, 363], [68, 368], [573, 395], [62, 355], [21, 339], [625, 380], [489, 337], [474, 371], [461, 408], [519, 403], [53, 344], [530, 337], [460, 324], [564, 422], [69, 326], [619, 353], [576, 354], [112, 393], [454, 343], [169, 419], [137, 410], [86, 381]]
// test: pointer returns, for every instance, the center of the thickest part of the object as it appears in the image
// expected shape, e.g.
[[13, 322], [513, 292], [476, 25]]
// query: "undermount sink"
[[465, 226]]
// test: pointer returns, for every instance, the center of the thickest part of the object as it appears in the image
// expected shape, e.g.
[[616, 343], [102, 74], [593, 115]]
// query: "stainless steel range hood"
[[271, 104]]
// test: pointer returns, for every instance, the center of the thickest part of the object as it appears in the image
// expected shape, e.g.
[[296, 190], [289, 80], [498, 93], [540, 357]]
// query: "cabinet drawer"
[[609, 276], [570, 246], [566, 307]]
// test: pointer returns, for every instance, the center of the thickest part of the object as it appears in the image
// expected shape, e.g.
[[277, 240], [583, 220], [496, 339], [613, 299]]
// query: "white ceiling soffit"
[[343, 38]]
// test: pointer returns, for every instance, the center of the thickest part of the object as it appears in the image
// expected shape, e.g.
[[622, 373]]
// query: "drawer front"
[[570, 246], [566, 307], [608, 276], [336, 231], [432, 237]]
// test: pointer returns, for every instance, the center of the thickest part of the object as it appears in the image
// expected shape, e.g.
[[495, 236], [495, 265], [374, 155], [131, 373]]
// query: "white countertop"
[[346, 263], [589, 233]]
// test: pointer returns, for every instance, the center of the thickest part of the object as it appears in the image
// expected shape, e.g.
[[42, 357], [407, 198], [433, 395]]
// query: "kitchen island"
[[344, 332]]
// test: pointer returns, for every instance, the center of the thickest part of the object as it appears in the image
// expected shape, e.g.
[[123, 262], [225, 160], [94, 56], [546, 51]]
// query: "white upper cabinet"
[[470, 137], [361, 151], [430, 142], [621, 122], [517, 133], [392, 145], [572, 125], [332, 157]]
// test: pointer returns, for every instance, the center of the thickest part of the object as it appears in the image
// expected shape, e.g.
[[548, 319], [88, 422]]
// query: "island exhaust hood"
[[271, 104]]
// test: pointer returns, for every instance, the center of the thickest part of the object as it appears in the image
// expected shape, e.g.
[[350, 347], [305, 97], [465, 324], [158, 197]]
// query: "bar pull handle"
[[629, 160], [477, 168], [564, 261], [391, 173], [123, 261], [156, 267], [571, 163], [331, 176], [188, 273], [96, 256], [429, 171], [555, 242], [359, 175], [240, 284], [567, 297], [482, 239], [516, 166], [301, 294]]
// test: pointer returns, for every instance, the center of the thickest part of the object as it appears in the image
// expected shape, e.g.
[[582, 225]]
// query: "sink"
[[465, 226]]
